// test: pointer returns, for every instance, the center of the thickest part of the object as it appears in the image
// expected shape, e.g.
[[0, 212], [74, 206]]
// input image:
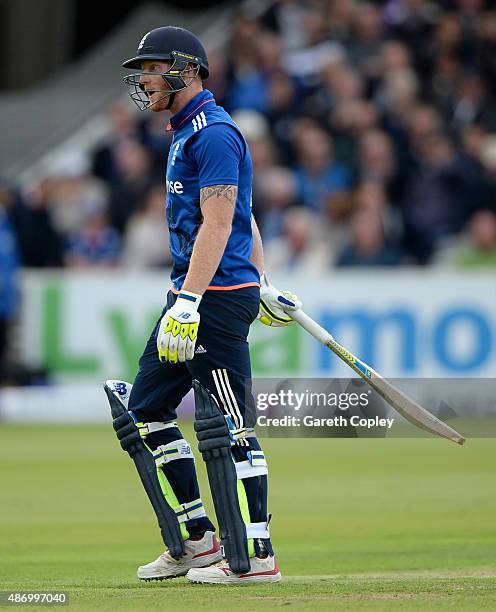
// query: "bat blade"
[[408, 408]]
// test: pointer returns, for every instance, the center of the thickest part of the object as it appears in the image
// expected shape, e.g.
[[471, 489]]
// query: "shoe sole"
[[161, 578], [238, 581]]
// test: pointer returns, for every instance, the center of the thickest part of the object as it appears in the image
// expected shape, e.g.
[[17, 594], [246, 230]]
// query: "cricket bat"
[[408, 408]]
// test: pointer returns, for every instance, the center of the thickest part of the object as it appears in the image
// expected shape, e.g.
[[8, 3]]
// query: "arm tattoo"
[[229, 192]]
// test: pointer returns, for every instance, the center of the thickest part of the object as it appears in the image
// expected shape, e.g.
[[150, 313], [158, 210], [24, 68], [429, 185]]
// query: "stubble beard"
[[161, 104]]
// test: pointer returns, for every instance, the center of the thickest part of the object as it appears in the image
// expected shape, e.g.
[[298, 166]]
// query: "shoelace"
[[223, 564], [166, 556]]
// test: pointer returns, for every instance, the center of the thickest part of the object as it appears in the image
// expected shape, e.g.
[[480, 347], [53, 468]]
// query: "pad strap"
[[178, 449], [256, 465], [234, 433], [148, 428], [258, 530], [190, 510]]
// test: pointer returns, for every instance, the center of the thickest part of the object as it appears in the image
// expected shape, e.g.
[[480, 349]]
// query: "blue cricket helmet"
[[170, 43]]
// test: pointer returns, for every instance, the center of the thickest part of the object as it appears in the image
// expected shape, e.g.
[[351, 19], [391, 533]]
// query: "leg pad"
[[215, 447], [131, 442]]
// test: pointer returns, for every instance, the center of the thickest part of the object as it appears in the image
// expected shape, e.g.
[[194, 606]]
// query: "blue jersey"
[[208, 149]]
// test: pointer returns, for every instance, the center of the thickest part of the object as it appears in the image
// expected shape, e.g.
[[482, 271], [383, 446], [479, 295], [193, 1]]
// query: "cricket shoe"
[[199, 553], [261, 570]]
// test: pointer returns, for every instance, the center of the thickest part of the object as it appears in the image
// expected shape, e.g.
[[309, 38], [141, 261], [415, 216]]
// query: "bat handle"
[[311, 326]]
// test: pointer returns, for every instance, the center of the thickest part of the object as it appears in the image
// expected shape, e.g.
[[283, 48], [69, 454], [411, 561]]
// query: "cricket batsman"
[[200, 341]]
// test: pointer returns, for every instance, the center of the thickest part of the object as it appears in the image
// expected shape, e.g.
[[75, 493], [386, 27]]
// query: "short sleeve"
[[218, 151]]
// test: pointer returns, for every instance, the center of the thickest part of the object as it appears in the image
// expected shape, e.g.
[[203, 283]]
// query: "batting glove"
[[178, 329], [275, 305]]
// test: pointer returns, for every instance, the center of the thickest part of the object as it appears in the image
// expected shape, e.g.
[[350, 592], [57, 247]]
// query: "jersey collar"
[[204, 97]]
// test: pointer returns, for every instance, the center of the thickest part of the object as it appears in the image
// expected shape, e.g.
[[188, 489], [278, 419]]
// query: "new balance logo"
[[121, 388], [199, 122], [200, 350]]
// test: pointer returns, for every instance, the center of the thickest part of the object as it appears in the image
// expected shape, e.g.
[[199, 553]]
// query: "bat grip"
[[311, 326]]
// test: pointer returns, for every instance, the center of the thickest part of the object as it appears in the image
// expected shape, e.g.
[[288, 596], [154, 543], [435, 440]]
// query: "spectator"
[[71, 184], [135, 177], [473, 147], [446, 74], [484, 148], [146, 242], [486, 49], [339, 20], [368, 245], [471, 104], [276, 192], [282, 111], [317, 174], [247, 83], [365, 47], [123, 123], [475, 249], [218, 80], [398, 86], [8, 286], [341, 86], [303, 246], [376, 159], [157, 140], [412, 21], [370, 196], [96, 244], [436, 196], [447, 37], [255, 128], [285, 18], [424, 121], [306, 62], [40, 243], [348, 122]]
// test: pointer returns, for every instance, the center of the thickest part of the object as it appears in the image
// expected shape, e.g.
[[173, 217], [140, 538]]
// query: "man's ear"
[[194, 67]]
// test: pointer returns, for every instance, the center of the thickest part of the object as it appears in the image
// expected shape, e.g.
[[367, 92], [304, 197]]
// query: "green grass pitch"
[[358, 524]]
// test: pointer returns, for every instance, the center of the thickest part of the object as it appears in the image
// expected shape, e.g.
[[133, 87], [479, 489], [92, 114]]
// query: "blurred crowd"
[[372, 128]]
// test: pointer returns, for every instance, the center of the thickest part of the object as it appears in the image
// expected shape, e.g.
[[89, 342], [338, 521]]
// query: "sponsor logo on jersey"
[[174, 187]]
